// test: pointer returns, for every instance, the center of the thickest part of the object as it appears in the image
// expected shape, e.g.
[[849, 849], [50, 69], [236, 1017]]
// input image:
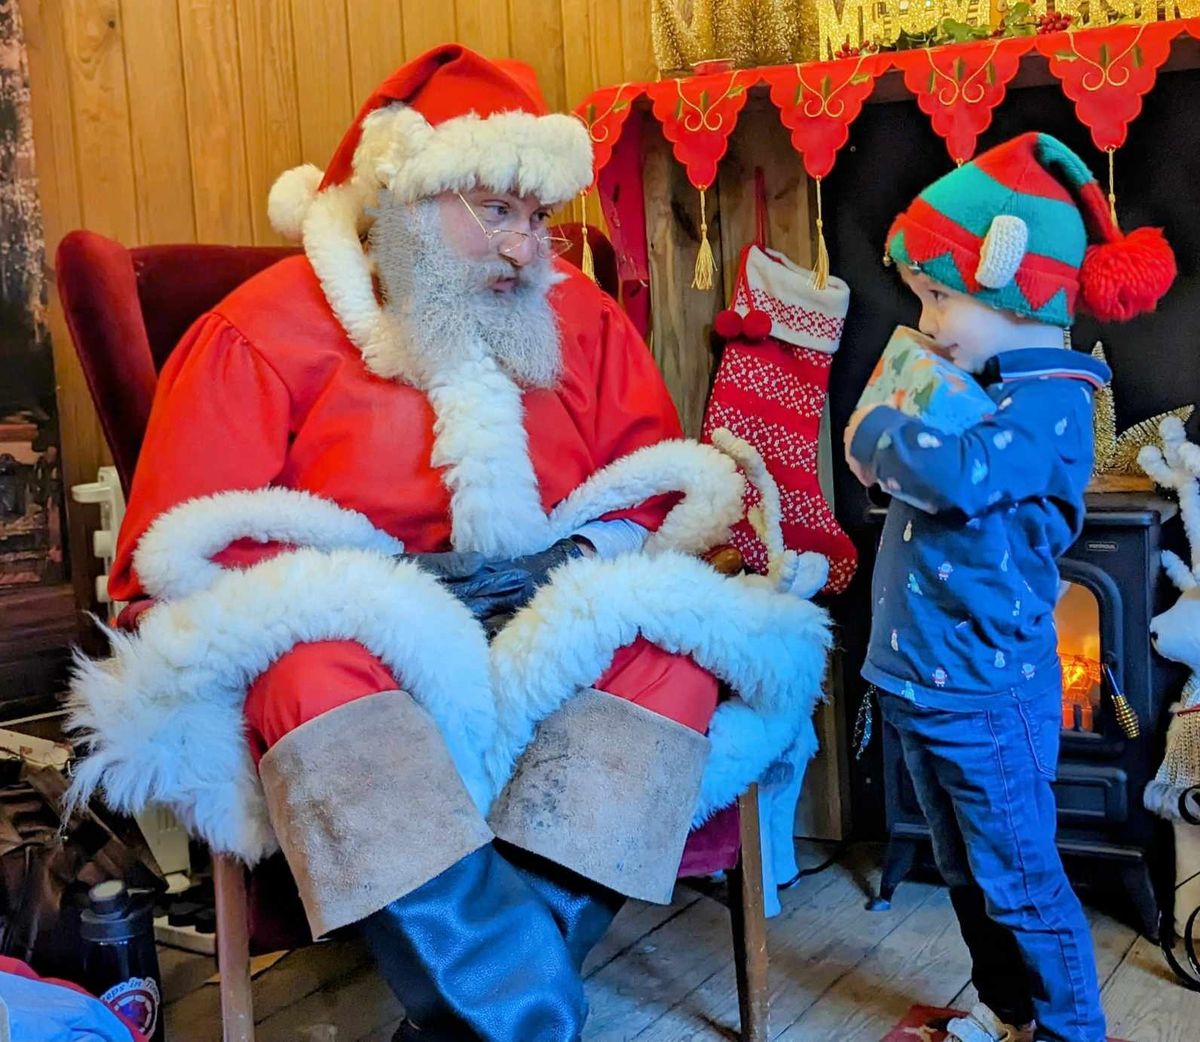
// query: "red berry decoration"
[[1053, 22], [728, 324]]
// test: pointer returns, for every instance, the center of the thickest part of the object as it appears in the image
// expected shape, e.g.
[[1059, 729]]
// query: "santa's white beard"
[[443, 308]]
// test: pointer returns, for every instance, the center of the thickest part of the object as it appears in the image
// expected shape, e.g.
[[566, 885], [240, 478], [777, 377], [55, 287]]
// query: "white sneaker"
[[982, 1025]]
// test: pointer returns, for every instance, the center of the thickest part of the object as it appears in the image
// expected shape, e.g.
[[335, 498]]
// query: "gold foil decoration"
[[747, 33], [1117, 453]]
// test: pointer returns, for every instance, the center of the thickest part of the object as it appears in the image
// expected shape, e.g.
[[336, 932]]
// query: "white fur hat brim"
[[549, 157]]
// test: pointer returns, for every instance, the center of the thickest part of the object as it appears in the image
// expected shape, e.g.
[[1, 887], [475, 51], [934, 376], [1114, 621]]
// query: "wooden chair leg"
[[233, 949], [750, 924]]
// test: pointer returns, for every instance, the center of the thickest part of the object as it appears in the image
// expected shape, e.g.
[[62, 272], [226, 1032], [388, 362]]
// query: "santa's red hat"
[[448, 121]]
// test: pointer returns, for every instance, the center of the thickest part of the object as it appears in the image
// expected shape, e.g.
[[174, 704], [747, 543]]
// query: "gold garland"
[[1117, 453], [747, 33]]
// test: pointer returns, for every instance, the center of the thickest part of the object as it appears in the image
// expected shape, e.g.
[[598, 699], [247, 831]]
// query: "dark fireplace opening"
[[1112, 585]]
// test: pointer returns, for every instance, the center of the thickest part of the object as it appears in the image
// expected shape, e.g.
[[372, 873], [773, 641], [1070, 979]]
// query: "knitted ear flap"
[[1003, 250]]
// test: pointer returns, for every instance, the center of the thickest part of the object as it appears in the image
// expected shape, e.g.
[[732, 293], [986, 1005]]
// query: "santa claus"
[[424, 433]]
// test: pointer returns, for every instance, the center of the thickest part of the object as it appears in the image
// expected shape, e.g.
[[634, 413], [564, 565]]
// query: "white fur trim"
[[712, 488], [480, 440], [333, 248], [546, 156], [1003, 250], [289, 200], [771, 282], [769, 647], [163, 716], [173, 558]]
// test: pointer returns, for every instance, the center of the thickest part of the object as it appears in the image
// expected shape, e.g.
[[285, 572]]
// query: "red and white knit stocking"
[[771, 388]]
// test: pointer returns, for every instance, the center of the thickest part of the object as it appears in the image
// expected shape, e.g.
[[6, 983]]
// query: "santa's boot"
[[392, 841], [583, 910], [606, 789], [475, 955]]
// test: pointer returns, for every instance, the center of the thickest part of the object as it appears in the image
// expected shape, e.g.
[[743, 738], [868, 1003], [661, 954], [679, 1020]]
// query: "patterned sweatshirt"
[[964, 590]]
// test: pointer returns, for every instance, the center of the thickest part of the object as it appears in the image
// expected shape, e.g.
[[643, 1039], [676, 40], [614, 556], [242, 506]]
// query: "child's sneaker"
[[982, 1025]]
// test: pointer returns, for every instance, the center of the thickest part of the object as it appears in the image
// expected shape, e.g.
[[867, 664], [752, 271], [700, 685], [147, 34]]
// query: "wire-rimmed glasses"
[[506, 241]]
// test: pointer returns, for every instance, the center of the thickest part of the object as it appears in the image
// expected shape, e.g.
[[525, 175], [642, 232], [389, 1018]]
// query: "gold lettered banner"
[[1090, 14], [852, 23]]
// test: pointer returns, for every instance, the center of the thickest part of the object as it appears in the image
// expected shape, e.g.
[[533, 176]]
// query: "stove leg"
[[897, 863], [1135, 877]]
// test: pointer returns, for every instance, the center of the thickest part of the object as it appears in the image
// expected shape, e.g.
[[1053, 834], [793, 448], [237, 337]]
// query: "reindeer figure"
[[1175, 791]]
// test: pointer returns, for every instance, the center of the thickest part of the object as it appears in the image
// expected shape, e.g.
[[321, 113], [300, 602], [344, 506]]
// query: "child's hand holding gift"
[[862, 471]]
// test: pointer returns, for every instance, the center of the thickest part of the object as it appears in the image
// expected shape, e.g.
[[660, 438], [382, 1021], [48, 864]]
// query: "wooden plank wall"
[[167, 120]]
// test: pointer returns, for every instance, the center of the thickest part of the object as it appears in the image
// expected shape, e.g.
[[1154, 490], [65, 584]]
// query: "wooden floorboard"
[[665, 974], [1144, 1004], [922, 957]]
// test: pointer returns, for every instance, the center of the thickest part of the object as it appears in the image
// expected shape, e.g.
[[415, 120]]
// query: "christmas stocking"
[[770, 389]]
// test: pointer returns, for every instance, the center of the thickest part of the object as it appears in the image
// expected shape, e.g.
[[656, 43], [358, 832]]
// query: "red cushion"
[[126, 310]]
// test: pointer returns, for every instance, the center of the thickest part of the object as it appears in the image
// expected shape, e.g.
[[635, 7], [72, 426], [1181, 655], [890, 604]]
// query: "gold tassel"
[[588, 262], [1126, 716], [1112, 187], [706, 264], [821, 271]]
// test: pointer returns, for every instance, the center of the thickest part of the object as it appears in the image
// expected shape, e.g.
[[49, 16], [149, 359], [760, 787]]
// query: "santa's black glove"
[[495, 590], [449, 567]]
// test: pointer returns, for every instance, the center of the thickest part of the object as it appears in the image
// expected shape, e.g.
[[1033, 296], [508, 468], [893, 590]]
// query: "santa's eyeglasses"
[[506, 242]]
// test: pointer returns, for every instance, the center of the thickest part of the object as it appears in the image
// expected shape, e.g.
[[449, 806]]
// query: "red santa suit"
[[298, 444], [267, 390]]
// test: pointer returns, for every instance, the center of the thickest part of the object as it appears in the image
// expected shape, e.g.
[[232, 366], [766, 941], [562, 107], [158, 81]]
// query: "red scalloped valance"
[[1105, 71]]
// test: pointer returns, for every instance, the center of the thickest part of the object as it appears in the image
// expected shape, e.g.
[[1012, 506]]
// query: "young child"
[[963, 648]]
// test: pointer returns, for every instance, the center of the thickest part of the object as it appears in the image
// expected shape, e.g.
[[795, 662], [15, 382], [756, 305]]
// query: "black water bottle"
[[120, 964]]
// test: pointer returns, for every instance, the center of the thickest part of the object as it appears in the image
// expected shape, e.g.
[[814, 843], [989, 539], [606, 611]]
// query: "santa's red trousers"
[[314, 678]]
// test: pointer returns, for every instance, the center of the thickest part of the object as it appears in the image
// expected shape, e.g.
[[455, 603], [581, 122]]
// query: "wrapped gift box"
[[913, 377]]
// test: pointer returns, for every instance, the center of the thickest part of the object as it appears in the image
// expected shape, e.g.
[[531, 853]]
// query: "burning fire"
[[1081, 687], [1078, 620]]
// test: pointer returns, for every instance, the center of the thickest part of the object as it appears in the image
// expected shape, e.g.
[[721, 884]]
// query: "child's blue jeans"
[[983, 778]]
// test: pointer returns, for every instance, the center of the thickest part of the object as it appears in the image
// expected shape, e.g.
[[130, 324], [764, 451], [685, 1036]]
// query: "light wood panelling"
[[168, 120], [322, 44], [483, 26], [427, 23], [100, 104], [213, 86], [376, 31], [162, 168], [270, 108], [535, 28]]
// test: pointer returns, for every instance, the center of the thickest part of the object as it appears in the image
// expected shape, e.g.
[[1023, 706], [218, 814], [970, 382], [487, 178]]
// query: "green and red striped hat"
[[1025, 227]]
